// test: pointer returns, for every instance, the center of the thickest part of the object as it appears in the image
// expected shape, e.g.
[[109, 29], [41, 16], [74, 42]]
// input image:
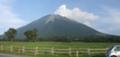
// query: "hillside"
[[56, 27]]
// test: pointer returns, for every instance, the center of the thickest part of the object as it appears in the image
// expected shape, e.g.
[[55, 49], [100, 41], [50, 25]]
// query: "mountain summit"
[[56, 27]]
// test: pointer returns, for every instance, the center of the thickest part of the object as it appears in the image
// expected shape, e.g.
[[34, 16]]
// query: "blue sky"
[[102, 15]]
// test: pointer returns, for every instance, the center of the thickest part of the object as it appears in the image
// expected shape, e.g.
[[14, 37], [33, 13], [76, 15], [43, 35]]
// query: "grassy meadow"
[[59, 45]]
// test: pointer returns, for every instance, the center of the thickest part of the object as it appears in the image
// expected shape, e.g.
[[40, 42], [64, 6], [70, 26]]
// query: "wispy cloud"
[[76, 14], [112, 19], [7, 17], [108, 21]]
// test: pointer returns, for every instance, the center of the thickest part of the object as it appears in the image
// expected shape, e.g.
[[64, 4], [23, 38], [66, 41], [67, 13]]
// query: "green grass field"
[[59, 45]]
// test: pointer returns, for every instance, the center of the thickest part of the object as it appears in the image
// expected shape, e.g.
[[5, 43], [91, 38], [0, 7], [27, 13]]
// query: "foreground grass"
[[73, 45], [58, 44]]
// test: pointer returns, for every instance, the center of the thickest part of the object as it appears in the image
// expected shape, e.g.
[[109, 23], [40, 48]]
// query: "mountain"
[[1, 36], [56, 27]]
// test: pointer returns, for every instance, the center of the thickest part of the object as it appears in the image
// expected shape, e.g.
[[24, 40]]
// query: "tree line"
[[32, 35]]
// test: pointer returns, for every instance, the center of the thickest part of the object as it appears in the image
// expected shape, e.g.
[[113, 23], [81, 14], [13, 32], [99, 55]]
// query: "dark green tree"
[[31, 35], [10, 34]]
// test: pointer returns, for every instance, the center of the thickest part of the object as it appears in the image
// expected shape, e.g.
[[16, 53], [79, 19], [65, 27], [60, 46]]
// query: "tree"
[[31, 35], [10, 34]]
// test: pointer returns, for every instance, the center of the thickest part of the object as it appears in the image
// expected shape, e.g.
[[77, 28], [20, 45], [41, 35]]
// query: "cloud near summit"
[[107, 22], [76, 14]]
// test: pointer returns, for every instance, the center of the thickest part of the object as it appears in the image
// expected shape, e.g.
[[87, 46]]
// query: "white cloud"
[[7, 17], [113, 19], [109, 22], [76, 14]]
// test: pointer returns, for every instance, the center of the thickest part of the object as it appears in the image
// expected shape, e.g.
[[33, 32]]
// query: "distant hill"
[[1, 36], [56, 27]]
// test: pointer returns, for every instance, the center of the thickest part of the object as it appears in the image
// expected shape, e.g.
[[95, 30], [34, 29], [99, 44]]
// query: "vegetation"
[[52, 44], [31, 35], [57, 45], [10, 34]]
